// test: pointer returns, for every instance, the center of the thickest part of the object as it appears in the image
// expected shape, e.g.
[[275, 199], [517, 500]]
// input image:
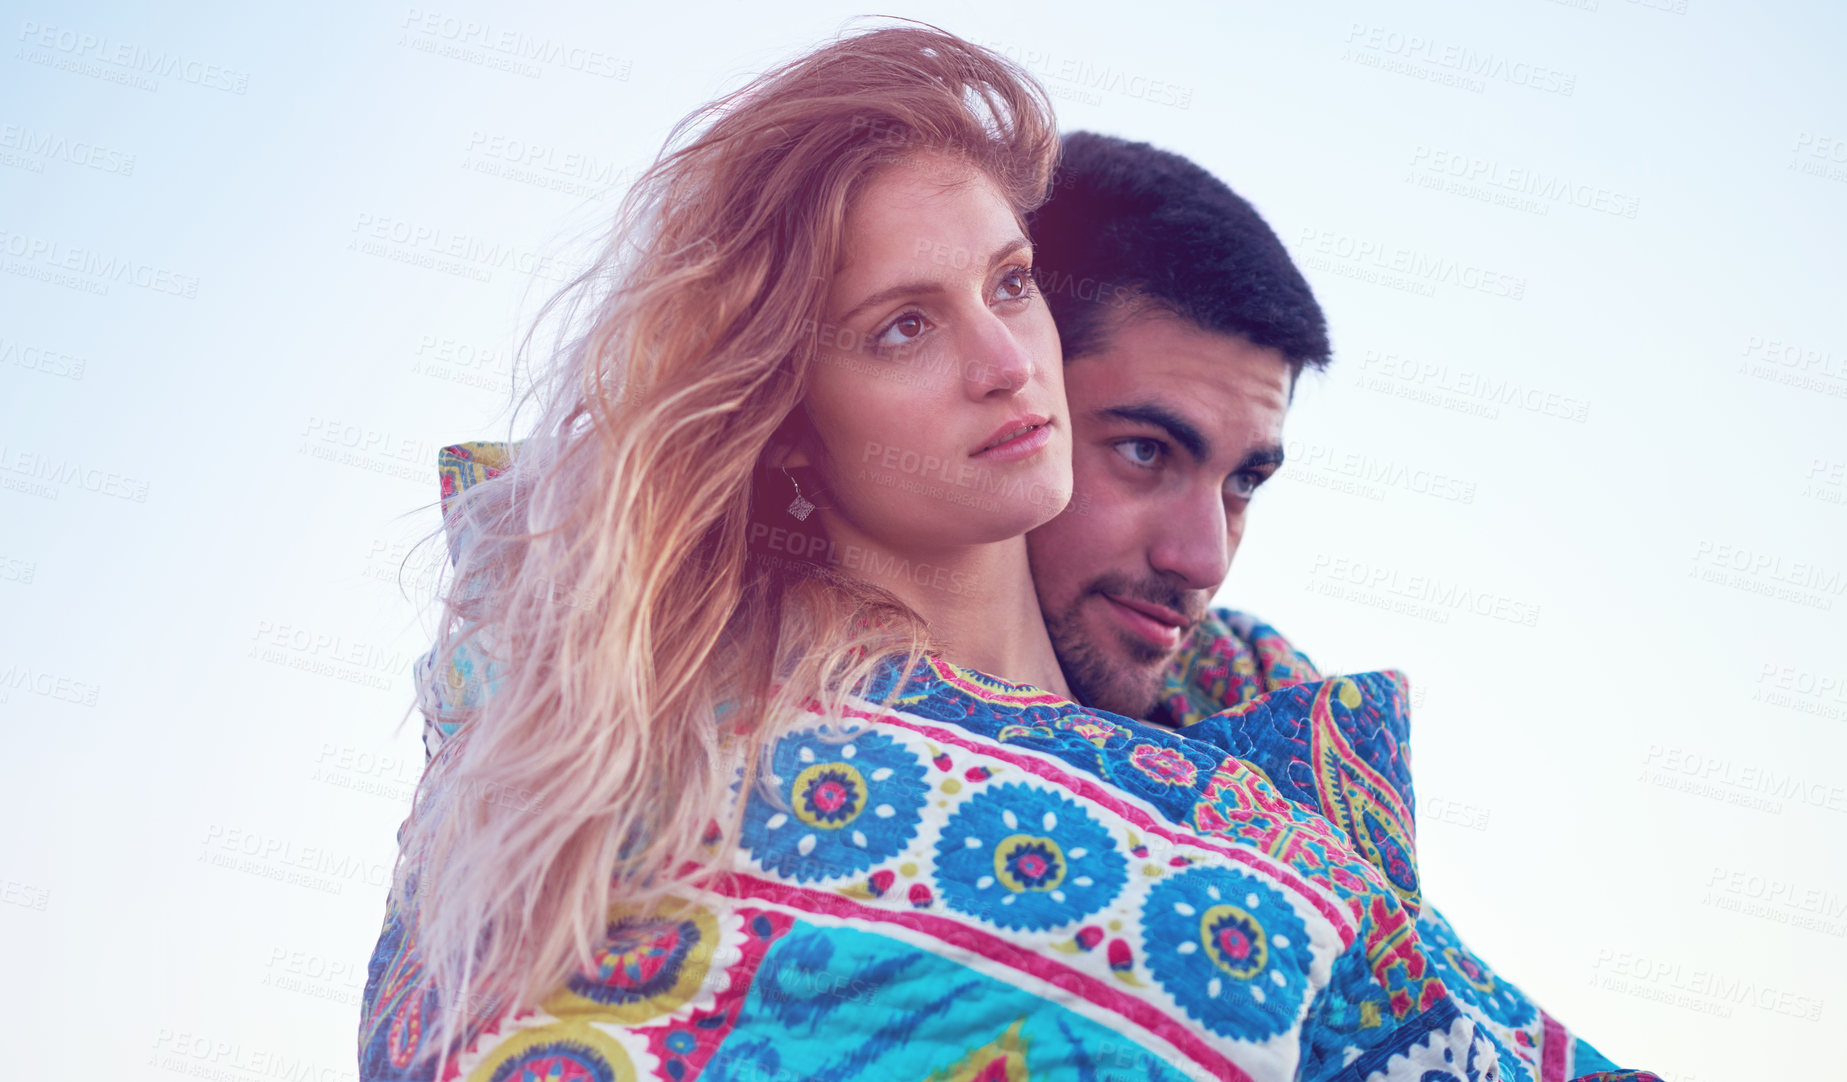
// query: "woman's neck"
[[978, 601]]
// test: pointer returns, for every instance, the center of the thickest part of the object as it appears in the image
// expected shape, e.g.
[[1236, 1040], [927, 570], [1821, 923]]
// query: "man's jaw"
[[1107, 667], [1132, 691]]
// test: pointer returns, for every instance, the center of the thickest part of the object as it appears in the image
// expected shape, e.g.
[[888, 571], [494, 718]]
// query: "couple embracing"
[[842, 630]]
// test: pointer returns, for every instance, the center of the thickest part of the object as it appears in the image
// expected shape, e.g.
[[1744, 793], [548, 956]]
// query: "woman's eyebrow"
[[929, 287]]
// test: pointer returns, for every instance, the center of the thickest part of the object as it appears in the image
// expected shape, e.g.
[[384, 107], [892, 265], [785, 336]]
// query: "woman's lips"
[[1160, 625], [1026, 444]]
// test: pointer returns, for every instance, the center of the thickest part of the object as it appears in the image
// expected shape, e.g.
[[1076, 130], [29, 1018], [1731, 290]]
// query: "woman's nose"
[[996, 361]]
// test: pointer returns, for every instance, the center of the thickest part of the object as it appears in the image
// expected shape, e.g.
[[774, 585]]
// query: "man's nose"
[[1191, 541]]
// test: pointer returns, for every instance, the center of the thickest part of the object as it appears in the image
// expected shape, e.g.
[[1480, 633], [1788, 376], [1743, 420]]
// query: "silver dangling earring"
[[800, 507]]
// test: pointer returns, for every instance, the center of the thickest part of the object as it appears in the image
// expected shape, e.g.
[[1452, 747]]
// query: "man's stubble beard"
[[1131, 687]]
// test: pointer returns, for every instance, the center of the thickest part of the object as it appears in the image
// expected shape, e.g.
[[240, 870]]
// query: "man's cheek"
[[1234, 533], [1057, 556]]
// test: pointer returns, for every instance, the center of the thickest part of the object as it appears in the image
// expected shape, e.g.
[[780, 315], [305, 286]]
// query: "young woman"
[[743, 793]]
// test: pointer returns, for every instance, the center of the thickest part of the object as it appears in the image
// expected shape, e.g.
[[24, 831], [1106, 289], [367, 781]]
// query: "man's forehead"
[[1233, 391]]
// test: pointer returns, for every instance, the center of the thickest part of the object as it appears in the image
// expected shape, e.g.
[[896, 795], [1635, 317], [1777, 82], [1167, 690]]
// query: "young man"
[[1185, 326]]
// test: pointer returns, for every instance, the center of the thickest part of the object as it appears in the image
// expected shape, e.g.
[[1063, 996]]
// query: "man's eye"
[[900, 332], [1243, 485], [1140, 452]]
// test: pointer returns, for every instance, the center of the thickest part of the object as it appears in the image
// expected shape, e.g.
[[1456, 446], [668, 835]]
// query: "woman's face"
[[937, 401]]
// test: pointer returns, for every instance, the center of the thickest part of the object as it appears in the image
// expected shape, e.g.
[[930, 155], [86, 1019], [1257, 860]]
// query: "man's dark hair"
[[1129, 226]]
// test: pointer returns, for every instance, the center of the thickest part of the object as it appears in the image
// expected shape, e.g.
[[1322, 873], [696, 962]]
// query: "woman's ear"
[[784, 454], [776, 456], [791, 446]]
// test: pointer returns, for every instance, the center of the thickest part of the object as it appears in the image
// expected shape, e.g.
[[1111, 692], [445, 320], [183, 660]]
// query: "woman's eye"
[[900, 332], [1016, 284], [1140, 452]]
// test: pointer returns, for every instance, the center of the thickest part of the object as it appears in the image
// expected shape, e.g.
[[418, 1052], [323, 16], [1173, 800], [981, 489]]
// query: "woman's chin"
[[1002, 517], [982, 520], [938, 516], [1037, 499]]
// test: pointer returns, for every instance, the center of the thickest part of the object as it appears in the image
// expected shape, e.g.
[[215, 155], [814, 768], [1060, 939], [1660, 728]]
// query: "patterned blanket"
[[1244, 688], [988, 882]]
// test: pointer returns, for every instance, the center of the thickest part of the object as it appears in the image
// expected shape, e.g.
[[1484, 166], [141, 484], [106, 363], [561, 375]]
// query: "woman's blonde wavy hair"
[[619, 722]]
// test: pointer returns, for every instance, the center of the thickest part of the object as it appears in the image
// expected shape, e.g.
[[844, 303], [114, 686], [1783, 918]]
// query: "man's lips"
[[1158, 624]]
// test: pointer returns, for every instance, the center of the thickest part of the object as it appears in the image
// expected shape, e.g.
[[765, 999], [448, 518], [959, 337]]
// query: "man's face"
[[1174, 427]]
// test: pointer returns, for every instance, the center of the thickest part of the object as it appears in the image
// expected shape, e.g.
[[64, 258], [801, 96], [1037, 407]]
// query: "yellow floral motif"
[[1000, 1060], [543, 1051], [647, 967]]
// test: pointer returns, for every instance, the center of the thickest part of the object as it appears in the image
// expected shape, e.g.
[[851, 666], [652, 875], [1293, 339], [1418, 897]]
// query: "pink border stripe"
[[1553, 1063], [1335, 913], [995, 949]]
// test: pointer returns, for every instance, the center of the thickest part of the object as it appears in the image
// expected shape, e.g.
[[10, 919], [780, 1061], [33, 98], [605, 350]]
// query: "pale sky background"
[[1604, 391]]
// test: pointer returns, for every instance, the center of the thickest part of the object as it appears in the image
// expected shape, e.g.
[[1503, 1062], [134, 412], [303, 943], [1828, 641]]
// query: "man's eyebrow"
[[926, 288], [1179, 428], [1262, 456]]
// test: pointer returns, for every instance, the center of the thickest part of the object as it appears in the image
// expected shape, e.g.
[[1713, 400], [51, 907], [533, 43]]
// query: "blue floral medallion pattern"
[[1230, 950], [1027, 858], [848, 805]]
